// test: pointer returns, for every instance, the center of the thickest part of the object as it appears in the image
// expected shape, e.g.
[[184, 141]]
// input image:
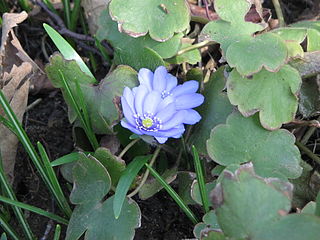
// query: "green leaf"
[[185, 180], [227, 33], [310, 208], [273, 153], [66, 50], [164, 18], [152, 186], [137, 52], [245, 203], [215, 110], [250, 55], [292, 227], [209, 222], [102, 101], [309, 97], [195, 191], [96, 220], [274, 95], [114, 165], [125, 181], [232, 10], [93, 216], [313, 40], [192, 57], [91, 180], [291, 34]]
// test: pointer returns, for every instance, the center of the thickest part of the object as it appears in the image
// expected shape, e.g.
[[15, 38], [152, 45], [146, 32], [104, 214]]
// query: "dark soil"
[[47, 122]]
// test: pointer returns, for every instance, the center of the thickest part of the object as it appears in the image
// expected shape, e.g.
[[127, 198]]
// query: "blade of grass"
[[103, 51], [30, 149], [69, 158], [67, 12], [86, 126], [52, 176], [57, 232], [50, 6], [4, 7], [36, 210], [125, 182], [173, 194], [75, 14], [200, 179], [24, 4], [6, 123], [66, 49], [6, 227], [17, 211]]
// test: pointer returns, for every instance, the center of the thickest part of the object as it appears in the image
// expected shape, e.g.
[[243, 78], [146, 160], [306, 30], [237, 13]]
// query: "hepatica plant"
[[160, 107], [247, 171]]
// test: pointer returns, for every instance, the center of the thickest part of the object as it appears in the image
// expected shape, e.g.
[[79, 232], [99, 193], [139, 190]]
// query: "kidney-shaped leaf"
[[232, 10], [250, 55], [92, 216], [292, 227], [247, 203], [241, 140], [137, 52], [272, 94], [103, 100], [161, 18]]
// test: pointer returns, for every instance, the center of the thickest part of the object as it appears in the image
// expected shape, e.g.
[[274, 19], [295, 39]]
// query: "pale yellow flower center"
[[147, 122]]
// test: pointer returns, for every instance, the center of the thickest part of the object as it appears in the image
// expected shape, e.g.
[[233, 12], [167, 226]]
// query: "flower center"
[[148, 122]]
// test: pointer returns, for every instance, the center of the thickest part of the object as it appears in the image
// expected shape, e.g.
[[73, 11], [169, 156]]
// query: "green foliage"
[[241, 140], [93, 216], [137, 52], [214, 110], [103, 117], [164, 18], [274, 95], [209, 223]]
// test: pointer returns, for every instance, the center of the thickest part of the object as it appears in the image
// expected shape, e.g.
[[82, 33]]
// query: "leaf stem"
[[277, 7], [124, 151], [308, 152], [195, 46], [146, 174]]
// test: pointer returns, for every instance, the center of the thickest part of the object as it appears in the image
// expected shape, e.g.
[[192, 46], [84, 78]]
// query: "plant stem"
[[123, 152], [277, 6], [308, 152], [146, 174], [195, 46]]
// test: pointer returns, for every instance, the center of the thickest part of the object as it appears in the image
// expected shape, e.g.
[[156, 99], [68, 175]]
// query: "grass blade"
[[6, 123], [66, 50], [125, 182], [200, 179], [173, 194], [29, 148], [69, 158], [57, 232], [52, 177], [17, 211], [50, 6], [86, 126], [6, 227], [36, 210], [75, 14], [67, 11]]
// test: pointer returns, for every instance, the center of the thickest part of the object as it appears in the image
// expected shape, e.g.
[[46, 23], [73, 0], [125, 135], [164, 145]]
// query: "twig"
[[195, 46], [128, 147], [308, 152]]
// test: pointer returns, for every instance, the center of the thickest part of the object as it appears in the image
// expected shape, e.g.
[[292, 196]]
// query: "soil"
[[47, 122]]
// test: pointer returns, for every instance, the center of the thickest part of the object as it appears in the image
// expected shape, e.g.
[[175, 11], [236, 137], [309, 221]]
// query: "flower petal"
[[161, 139], [128, 95], [186, 88], [141, 93], [166, 113], [176, 120], [127, 111], [188, 101], [130, 127], [151, 102], [174, 132], [159, 79], [145, 77], [192, 117], [165, 102], [171, 82]]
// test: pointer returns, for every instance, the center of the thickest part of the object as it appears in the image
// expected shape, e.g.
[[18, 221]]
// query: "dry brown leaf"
[[16, 70]]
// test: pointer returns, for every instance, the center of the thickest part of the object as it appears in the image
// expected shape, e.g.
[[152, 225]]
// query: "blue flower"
[[158, 106]]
